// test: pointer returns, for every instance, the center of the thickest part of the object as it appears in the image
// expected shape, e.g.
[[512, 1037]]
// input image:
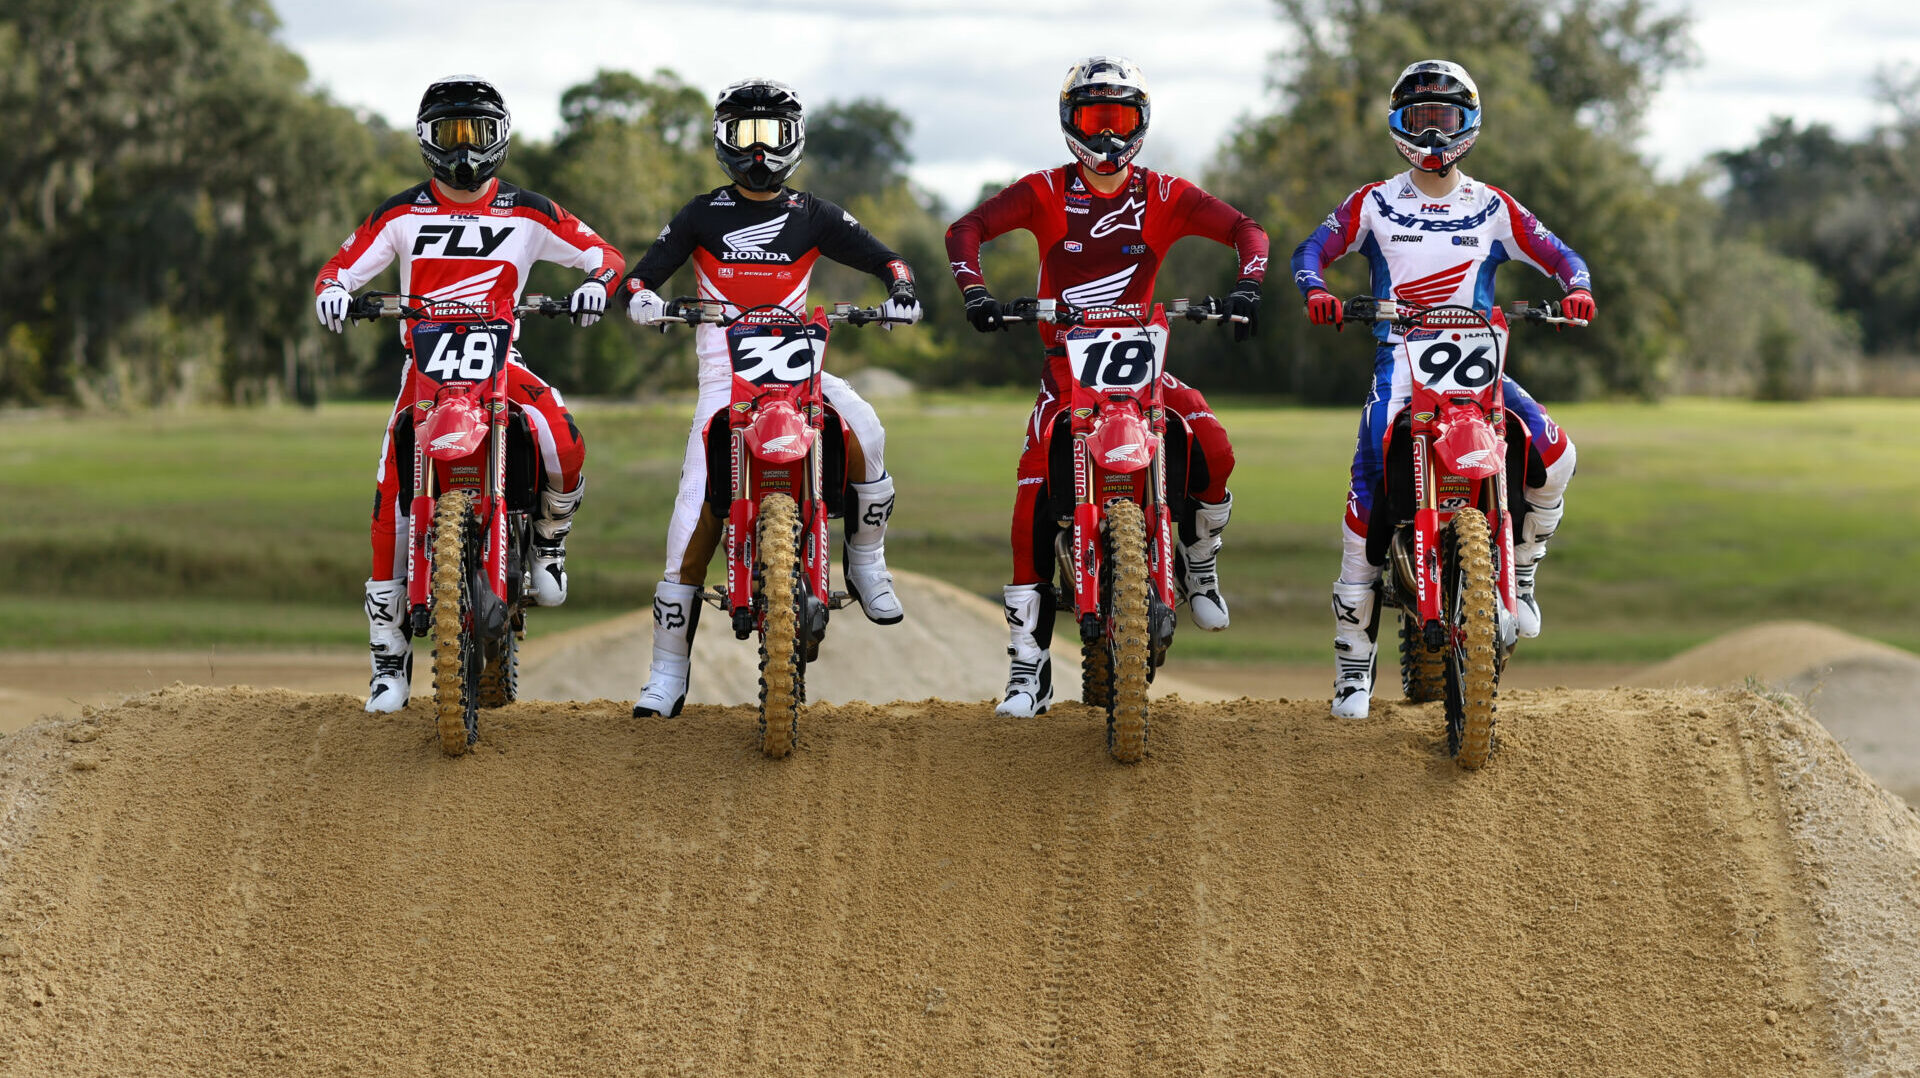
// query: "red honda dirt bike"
[[477, 478], [776, 467], [1116, 546], [1449, 551]]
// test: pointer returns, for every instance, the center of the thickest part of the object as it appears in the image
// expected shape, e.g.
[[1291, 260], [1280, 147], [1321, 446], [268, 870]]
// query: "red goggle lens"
[[1121, 120]]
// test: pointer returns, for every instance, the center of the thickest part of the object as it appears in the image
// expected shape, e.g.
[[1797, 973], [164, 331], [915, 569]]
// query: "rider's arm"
[[568, 241], [1197, 213], [669, 252], [1015, 207], [845, 240], [1343, 230], [365, 253], [1533, 244]]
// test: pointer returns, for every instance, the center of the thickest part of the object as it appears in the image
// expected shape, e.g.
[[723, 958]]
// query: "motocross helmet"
[[463, 127], [1104, 110], [759, 131], [1434, 114]]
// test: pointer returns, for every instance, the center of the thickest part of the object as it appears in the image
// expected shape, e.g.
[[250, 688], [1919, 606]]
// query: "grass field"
[[1687, 519]]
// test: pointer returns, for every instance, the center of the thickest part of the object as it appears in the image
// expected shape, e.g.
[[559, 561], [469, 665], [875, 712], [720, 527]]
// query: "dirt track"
[[240, 881]]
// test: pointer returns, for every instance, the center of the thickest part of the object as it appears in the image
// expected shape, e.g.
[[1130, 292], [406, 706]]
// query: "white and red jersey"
[[1430, 250], [475, 252], [1102, 250]]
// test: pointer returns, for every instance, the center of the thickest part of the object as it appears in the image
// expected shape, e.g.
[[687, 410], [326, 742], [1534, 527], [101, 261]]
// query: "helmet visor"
[[478, 132], [757, 131], [1113, 118], [1424, 116]]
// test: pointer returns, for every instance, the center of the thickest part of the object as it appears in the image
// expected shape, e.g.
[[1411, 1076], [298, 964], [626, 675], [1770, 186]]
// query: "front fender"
[[778, 433], [455, 428], [1467, 445], [1121, 442]]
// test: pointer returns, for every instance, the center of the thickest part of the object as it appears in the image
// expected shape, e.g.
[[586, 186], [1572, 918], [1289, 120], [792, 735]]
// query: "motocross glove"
[[1323, 308], [331, 307], [901, 304], [1245, 302], [1578, 304], [589, 303], [983, 310], [646, 307]]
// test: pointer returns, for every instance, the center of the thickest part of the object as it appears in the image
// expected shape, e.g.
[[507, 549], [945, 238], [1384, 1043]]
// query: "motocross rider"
[[754, 242], [1433, 235], [1103, 225], [463, 235]]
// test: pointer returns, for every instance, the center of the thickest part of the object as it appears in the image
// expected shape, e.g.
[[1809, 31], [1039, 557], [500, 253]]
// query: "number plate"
[[1465, 361], [783, 354], [1106, 357], [460, 351]]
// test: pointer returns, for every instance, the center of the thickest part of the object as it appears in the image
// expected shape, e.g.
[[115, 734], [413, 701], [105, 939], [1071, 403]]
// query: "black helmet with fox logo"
[[759, 131], [1104, 110], [463, 127]]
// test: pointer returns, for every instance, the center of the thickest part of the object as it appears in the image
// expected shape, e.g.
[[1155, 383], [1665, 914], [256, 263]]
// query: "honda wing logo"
[[471, 289], [749, 244], [1434, 288], [448, 441], [780, 444], [1119, 219], [1126, 452], [1474, 459], [1101, 293]]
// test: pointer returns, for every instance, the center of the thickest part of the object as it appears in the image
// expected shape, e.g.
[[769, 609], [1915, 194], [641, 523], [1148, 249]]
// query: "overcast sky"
[[978, 78]]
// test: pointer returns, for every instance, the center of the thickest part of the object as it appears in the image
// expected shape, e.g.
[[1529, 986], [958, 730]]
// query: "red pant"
[[562, 452], [1209, 463]]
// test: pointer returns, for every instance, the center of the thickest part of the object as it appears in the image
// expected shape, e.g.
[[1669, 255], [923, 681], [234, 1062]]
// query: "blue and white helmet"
[[1434, 114]]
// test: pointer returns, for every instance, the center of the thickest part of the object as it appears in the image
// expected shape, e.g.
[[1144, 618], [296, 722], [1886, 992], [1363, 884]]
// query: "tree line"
[[173, 183]]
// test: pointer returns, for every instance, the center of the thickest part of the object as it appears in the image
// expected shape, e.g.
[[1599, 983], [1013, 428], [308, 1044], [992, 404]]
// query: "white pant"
[[716, 391]]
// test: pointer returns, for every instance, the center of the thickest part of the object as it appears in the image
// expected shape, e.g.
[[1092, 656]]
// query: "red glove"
[[1578, 304], [1323, 308]]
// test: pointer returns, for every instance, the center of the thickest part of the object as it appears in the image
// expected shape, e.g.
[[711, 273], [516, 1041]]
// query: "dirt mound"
[[1865, 692], [240, 881]]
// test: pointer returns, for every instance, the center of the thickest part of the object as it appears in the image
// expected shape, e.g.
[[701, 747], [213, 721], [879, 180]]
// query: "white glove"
[[893, 308], [646, 307], [331, 307], [589, 303]]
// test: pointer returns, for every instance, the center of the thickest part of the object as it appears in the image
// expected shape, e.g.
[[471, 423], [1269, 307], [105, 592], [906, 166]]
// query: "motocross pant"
[[1550, 457], [694, 532], [1206, 458], [562, 452]]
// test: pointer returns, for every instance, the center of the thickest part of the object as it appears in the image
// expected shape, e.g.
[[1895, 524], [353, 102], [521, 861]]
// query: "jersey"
[[1428, 251], [477, 252], [1102, 250], [749, 253]]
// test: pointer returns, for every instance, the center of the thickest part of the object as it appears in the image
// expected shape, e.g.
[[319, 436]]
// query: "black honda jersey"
[[749, 253]]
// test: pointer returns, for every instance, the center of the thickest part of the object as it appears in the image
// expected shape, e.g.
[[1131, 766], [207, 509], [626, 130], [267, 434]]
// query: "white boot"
[[550, 543], [1030, 681], [1201, 581], [1356, 624], [1528, 548], [676, 614], [392, 679], [866, 564]]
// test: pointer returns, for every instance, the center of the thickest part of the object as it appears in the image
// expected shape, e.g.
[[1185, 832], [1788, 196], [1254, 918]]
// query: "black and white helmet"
[[1434, 114], [759, 131], [1104, 110], [463, 128]]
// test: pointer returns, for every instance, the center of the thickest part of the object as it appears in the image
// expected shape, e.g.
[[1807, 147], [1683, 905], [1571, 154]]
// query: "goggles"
[[757, 131], [479, 132], [1423, 116], [1118, 119]]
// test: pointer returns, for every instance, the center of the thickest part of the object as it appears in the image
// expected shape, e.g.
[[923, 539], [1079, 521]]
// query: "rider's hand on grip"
[[589, 302], [331, 307], [901, 305], [1244, 302], [1323, 308], [1578, 304], [983, 310], [646, 307]]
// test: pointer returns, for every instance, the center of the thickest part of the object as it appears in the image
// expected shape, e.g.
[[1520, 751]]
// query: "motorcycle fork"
[[419, 522], [741, 537], [1429, 593]]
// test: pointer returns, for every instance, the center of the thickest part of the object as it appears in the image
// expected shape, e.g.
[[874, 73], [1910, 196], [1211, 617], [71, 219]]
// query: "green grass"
[[1687, 519]]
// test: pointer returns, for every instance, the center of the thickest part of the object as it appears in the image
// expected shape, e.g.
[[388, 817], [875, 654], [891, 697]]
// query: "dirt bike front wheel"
[[1472, 671], [456, 644], [1127, 646], [781, 685]]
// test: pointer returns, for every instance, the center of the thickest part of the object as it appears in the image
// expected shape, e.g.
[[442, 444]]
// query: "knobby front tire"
[[1472, 667], [456, 652], [1127, 594], [780, 671]]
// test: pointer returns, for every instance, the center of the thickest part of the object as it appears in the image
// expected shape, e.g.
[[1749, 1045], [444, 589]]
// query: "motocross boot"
[[676, 614], [392, 652], [1356, 621], [1199, 579], [1528, 548], [550, 543], [865, 566], [1030, 681]]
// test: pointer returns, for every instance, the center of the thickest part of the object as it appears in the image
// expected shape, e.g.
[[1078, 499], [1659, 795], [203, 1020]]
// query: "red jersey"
[[1102, 250]]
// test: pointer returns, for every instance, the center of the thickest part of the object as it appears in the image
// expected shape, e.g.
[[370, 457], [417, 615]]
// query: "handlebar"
[[1029, 309], [1374, 309], [693, 311], [376, 305]]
